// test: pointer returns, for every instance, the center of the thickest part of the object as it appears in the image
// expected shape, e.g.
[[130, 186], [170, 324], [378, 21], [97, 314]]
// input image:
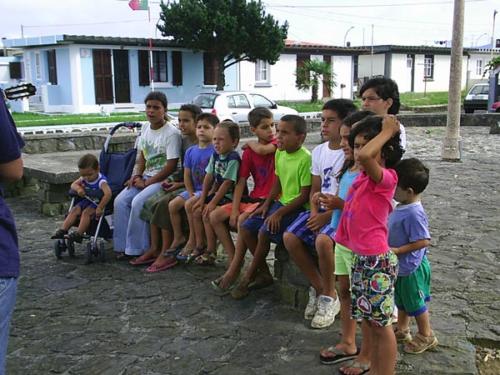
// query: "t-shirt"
[[327, 163], [408, 223], [363, 223], [10, 150], [158, 146], [261, 167], [345, 183], [294, 173], [224, 167], [196, 159], [93, 188]]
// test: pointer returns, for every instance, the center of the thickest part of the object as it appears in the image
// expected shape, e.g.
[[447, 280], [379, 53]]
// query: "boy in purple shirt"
[[409, 238], [11, 169]]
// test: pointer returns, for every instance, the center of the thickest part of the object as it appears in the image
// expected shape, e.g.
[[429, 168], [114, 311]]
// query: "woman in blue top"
[[11, 169]]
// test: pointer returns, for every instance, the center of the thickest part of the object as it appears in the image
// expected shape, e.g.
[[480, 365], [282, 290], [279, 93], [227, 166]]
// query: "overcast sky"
[[409, 22]]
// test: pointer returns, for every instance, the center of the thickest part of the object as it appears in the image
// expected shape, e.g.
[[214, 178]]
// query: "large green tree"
[[232, 30]]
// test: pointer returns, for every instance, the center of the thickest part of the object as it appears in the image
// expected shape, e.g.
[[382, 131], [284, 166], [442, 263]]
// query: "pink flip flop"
[[172, 262], [139, 261]]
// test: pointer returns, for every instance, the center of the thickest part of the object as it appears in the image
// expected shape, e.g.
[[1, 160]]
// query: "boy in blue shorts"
[[312, 230], [292, 186], [409, 238]]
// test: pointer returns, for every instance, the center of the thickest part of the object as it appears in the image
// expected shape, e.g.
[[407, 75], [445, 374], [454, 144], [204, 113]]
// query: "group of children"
[[334, 211]]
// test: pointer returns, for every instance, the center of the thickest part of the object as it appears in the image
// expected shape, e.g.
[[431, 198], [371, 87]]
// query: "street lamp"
[[347, 32], [479, 37], [493, 35]]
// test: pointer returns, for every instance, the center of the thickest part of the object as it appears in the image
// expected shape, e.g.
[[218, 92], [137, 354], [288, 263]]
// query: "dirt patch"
[[488, 361]]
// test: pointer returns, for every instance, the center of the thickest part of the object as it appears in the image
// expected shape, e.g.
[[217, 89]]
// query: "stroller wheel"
[[71, 248], [101, 250], [59, 247], [89, 253]]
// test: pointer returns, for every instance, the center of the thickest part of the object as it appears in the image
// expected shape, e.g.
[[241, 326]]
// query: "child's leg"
[[218, 219], [259, 257], [348, 340], [174, 208], [199, 229], [384, 350], [85, 219], [424, 324], [191, 242], [403, 321], [324, 248], [239, 256], [72, 218]]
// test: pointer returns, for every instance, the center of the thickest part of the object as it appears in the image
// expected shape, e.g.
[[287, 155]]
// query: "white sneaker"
[[311, 304], [328, 308]]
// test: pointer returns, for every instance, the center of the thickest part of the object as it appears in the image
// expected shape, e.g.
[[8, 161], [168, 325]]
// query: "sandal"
[[195, 254], [59, 235], [333, 355], [420, 344], [240, 291], [142, 260], [206, 259], [171, 262], [354, 364], [75, 237], [173, 251], [402, 335], [221, 291]]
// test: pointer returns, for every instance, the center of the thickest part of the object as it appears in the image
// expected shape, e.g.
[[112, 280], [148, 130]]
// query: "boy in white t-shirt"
[[312, 228]]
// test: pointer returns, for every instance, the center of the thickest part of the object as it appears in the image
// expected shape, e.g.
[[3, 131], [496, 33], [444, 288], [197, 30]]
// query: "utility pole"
[[451, 145]]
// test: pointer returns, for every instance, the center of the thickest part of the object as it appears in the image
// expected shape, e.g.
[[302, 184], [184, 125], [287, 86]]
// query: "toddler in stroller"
[[93, 193]]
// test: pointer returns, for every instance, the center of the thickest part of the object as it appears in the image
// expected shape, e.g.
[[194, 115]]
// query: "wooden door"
[[122, 82], [103, 79]]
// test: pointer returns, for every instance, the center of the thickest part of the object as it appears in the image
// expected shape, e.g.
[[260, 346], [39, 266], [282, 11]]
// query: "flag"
[[138, 4]]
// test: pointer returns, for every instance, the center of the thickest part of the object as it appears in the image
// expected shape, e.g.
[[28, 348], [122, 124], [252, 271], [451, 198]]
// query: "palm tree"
[[309, 75]]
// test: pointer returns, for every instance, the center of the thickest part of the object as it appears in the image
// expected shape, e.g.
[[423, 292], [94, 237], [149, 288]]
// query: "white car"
[[235, 105]]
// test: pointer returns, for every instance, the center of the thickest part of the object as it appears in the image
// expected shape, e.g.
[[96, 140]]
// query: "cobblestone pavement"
[[111, 318]]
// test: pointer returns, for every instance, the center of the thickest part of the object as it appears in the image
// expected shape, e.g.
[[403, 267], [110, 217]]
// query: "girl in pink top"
[[363, 229]]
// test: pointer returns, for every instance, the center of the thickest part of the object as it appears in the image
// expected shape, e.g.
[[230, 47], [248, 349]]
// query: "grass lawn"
[[36, 119], [408, 100]]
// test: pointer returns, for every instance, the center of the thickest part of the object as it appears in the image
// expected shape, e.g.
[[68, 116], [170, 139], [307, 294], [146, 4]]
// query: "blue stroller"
[[117, 167]]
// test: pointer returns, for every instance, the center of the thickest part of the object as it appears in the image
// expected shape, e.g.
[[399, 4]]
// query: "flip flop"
[[174, 250], [140, 261], [354, 364], [154, 268], [337, 356], [221, 291]]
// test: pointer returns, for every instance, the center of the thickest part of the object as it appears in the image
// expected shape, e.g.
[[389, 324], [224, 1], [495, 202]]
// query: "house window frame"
[[409, 61], [479, 67], [38, 67], [52, 66], [262, 72], [157, 72], [429, 67]]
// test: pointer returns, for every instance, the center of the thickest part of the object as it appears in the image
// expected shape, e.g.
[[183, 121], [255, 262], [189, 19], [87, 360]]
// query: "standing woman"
[[159, 149], [11, 169]]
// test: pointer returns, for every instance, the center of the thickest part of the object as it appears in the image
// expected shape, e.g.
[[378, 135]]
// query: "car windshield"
[[479, 90], [205, 100]]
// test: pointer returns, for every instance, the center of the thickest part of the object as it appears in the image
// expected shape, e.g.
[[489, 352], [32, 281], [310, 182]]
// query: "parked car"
[[495, 107], [235, 105], [477, 98]]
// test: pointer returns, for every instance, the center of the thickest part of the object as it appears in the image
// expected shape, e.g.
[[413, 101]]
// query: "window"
[[210, 69], [177, 68], [429, 66], [51, 66], [479, 67], [237, 101], [15, 70], [261, 71], [160, 72], [38, 68], [260, 101], [409, 61]]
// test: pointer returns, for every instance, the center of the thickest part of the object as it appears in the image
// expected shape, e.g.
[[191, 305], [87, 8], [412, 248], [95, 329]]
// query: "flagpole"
[[151, 69]]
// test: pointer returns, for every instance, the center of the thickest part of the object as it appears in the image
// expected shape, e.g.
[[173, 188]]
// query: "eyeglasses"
[[370, 98]]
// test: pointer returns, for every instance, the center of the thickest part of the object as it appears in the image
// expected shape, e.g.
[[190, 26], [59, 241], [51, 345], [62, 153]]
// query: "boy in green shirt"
[[268, 222]]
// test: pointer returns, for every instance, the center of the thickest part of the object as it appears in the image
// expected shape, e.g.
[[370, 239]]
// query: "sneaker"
[[311, 304], [328, 308]]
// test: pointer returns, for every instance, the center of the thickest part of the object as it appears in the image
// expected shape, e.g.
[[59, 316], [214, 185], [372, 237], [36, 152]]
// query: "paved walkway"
[[110, 318]]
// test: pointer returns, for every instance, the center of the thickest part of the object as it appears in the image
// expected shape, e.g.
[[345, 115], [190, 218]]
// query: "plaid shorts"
[[301, 231], [372, 287]]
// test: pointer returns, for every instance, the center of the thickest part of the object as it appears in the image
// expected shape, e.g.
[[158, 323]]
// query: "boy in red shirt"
[[258, 162]]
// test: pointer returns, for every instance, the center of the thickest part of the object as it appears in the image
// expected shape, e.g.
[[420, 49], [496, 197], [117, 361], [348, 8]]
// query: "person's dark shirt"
[[10, 150]]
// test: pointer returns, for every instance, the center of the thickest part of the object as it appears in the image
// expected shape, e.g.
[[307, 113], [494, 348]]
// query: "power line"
[[368, 5], [86, 24]]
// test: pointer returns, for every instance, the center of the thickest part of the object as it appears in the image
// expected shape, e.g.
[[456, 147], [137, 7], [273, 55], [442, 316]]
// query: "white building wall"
[[371, 65], [342, 68], [441, 79], [281, 85], [475, 74], [400, 72]]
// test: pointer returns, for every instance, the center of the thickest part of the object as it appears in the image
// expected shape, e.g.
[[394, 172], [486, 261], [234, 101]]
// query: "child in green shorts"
[[409, 238]]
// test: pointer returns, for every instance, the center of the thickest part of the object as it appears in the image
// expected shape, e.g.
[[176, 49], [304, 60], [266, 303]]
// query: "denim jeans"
[[8, 287]]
